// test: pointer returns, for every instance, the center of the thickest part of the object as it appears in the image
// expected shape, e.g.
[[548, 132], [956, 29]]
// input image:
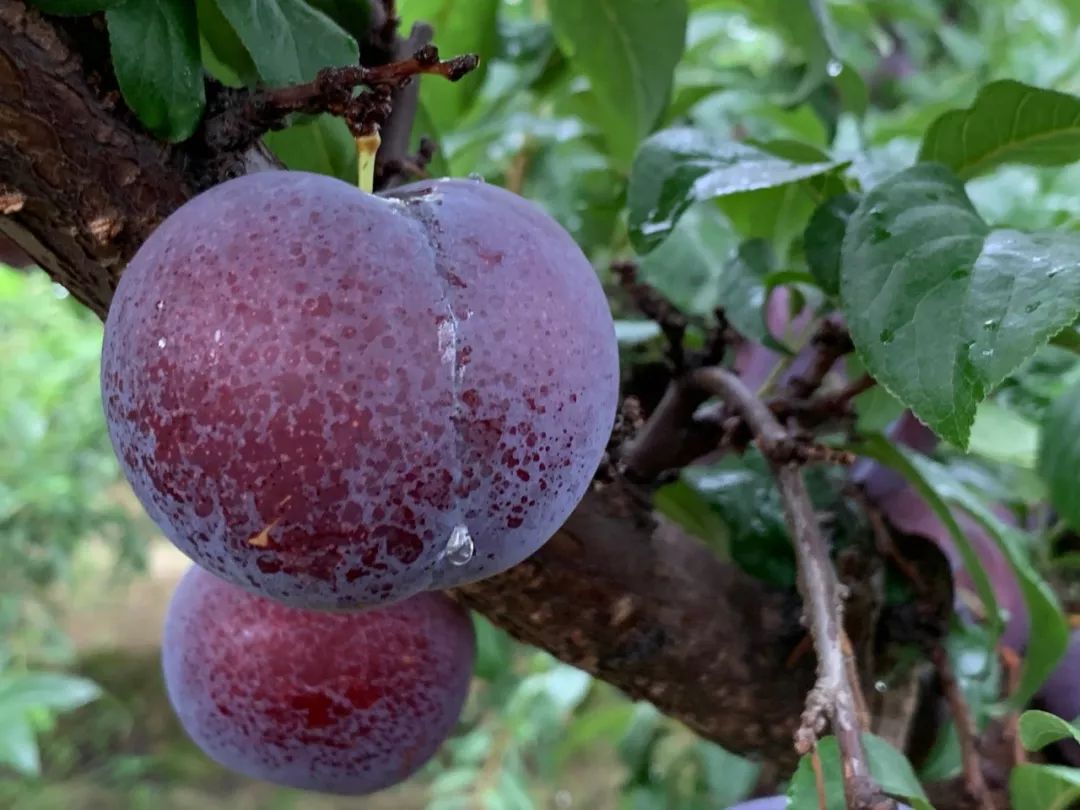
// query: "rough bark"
[[646, 608], [80, 189]]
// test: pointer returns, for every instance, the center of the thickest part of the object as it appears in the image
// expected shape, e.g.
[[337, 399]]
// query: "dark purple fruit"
[[339, 399], [332, 702]]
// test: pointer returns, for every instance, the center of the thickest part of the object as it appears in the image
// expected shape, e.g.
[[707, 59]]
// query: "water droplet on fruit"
[[160, 305], [459, 548], [990, 324], [161, 343], [217, 336], [476, 177], [834, 67], [880, 686]]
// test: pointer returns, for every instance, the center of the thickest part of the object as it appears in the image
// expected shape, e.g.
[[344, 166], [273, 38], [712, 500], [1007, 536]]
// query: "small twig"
[[393, 161], [830, 342], [833, 694], [332, 91], [861, 706], [1013, 666], [655, 306], [819, 779], [966, 733]]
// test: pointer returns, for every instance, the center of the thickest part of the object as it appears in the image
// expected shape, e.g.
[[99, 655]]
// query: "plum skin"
[[345, 703], [310, 387]]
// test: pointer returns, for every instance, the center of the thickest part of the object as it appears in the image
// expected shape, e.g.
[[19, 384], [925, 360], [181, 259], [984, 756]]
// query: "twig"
[[966, 733], [833, 694], [655, 306], [830, 342], [332, 91], [392, 162], [819, 779], [1013, 666]]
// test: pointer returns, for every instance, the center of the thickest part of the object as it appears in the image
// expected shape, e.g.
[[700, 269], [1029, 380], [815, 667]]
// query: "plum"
[[339, 399], [334, 702]]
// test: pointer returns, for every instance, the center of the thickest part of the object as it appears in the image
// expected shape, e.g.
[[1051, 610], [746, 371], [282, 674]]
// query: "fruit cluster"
[[338, 404]]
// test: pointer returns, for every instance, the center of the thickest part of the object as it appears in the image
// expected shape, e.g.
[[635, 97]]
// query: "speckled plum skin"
[[310, 387], [344, 703]]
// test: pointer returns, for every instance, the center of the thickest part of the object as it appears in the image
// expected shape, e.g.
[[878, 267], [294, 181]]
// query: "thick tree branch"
[[90, 188], [656, 613], [834, 693]]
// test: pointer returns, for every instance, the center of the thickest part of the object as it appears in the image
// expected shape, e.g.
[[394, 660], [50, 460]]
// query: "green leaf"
[[288, 40], [676, 167], [888, 766], [593, 725], [942, 308], [459, 28], [1038, 729], [728, 776], [1009, 122], [628, 49], [322, 144], [743, 494], [52, 690], [74, 8], [155, 53], [1059, 454], [18, 748], [685, 505], [823, 238], [1046, 787], [1003, 435], [1050, 631], [224, 55], [701, 267]]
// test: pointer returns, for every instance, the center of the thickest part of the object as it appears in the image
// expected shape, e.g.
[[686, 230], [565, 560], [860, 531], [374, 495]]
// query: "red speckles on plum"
[[335, 702], [395, 370]]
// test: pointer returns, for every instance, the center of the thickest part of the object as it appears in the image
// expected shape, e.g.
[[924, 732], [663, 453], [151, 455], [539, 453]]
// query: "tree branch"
[[244, 120], [834, 692]]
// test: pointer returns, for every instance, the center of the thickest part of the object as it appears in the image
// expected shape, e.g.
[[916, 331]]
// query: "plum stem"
[[247, 115], [366, 148], [834, 693]]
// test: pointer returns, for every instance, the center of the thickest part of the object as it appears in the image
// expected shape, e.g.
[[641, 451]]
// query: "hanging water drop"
[[459, 548], [834, 67], [880, 686]]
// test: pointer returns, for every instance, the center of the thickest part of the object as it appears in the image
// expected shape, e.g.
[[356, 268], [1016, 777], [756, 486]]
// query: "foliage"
[[909, 164], [56, 473]]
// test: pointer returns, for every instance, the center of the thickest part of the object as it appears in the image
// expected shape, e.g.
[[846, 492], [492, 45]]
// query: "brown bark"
[[81, 189]]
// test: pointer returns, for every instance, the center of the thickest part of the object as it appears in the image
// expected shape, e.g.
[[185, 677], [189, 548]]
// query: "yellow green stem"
[[366, 147]]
